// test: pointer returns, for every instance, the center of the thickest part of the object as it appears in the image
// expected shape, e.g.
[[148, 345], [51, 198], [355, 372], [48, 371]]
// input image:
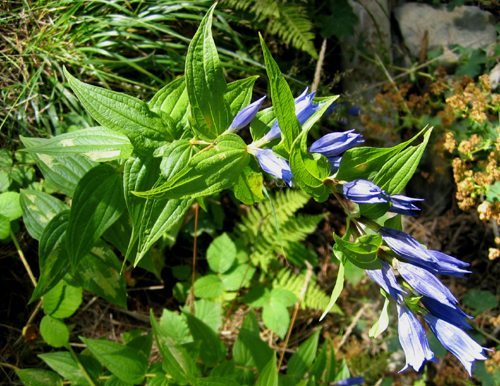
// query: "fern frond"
[[294, 27], [315, 298], [239, 5]]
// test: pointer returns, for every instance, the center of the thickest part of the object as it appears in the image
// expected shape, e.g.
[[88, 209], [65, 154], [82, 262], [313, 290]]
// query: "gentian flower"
[[413, 339], [350, 381], [304, 109], [334, 144], [456, 341], [246, 115], [452, 315], [412, 251], [386, 279], [404, 205], [335, 163], [425, 283], [364, 192], [274, 165]]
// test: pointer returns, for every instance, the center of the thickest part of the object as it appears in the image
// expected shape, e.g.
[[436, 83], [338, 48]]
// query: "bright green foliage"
[[65, 364], [54, 331], [303, 358], [38, 377], [62, 300]]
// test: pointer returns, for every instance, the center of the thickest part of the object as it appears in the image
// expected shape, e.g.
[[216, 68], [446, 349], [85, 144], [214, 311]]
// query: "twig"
[[319, 67], [352, 325], [23, 259], [30, 320], [297, 306]]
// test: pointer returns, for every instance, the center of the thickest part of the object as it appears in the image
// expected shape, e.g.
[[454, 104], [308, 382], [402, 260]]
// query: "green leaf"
[[38, 377], [175, 324], [339, 283], [221, 253], [225, 369], [237, 277], [275, 316], [123, 361], [383, 322], [215, 381], [4, 227], [160, 377], [239, 94], [53, 258], [10, 205], [98, 203], [282, 295], [62, 300], [269, 376], [212, 350], [173, 100], [303, 357], [338, 19], [125, 114], [319, 365], [54, 331], [64, 364], [283, 102], [38, 209], [99, 273], [210, 171], [262, 123], [208, 286], [394, 223], [209, 312], [205, 83], [62, 172], [249, 187], [5, 181], [5, 159], [143, 344], [176, 361], [363, 252], [480, 300]]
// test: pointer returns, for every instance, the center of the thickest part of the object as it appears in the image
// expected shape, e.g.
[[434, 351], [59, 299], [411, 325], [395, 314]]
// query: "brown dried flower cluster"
[[493, 364]]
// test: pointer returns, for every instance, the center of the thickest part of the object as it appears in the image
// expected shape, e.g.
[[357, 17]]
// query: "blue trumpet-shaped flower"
[[425, 283], [246, 115], [335, 163], [334, 144], [304, 109], [350, 381], [410, 250], [364, 192], [456, 341], [274, 165], [452, 315], [386, 279], [404, 205], [413, 339]]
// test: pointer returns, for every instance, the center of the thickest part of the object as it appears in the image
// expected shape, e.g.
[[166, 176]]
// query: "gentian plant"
[[134, 178]]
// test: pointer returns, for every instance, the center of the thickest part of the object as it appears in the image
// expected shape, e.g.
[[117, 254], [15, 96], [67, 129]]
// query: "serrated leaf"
[[205, 83], [237, 277], [38, 209], [98, 203], [269, 375], [208, 286], [209, 312], [339, 19], [221, 253], [54, 332], [64, 364], [210, 171], [62, 300], [212, 350], [249, 187], [275, 316], [123, 361], [363, 252], [303, 357], [5, 159], [125, 114], [176, 325], [39, 377], [10, 205]]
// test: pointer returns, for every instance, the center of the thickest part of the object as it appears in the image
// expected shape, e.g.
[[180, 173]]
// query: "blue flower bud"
[[413, 339], [335, 163], [404, 205], [364, 192], [386, 279], [246, 115], [274, 165], [456, 341], [350, 381], [334, 144]]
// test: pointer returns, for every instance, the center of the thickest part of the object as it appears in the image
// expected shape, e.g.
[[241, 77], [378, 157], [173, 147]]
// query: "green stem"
[[23, 259], [489, 336], [84, 371]]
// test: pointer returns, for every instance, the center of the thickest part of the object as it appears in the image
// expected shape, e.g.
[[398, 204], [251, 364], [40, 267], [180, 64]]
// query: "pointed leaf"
[[208, 286], [303, 357], [10, 205], [64, 364], [363, 252], [339, 283], [38, 377], [269, 376], [276, 317], [239, 94]]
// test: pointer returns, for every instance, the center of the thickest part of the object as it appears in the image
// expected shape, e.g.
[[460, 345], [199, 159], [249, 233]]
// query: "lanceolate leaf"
[[269, 376], [123, 113], [283, 102], [39, 377], [97, 143], [64, 364], [303, 357], [339, 283], [210, 171], [98, 202], [38, 209], [239, 94], [205, 83]]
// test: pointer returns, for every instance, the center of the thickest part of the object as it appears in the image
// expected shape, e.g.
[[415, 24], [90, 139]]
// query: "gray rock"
[[467, 26]]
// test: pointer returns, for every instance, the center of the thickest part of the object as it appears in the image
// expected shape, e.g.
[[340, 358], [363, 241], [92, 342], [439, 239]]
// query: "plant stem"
[[23, 259], [197, 209], [319, 66], [84, 371], [9, 365]]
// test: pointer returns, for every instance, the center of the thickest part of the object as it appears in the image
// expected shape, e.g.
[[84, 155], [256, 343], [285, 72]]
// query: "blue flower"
[[274, 165], [386, 279], [350, 381], [456, 341], [246, 115], [409, 249], [304, 109], [404, 205], [364, 192], [452, 315], [334, 144], [413, 339], [335, 163], [425, 283]]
